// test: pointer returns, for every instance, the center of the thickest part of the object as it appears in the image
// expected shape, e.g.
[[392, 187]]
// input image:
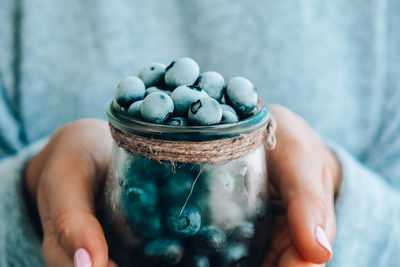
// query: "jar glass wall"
[[178, 213]]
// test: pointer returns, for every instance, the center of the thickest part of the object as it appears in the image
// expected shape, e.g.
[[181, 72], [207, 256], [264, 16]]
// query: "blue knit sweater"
[[335, 63]]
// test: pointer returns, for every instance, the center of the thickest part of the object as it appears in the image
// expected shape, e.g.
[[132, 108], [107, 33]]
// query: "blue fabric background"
[[335, 63]]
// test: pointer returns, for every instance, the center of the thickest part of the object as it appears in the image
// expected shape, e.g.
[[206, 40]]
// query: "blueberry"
[[143, 193], [185, 224], [221, 182], [205, 111], [226, 107], [155, 89], [213, 83], [139, 169], [134, 109], [147, 224], [226, 213], [233, 253], [129, 90], [183, 96], [164, 251], [241, 95], [178, 121], [229, 117], [181, 71], [209, 239], [157, 107], [152, 74], [178, 187], [199, 261], [245, 231]]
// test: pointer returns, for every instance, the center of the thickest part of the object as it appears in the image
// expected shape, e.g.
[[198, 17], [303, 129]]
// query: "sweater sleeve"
[[368, 205], [368, 217], [20, 243]]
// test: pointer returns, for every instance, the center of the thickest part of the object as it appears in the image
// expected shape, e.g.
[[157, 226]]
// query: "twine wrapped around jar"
[[196, 152]]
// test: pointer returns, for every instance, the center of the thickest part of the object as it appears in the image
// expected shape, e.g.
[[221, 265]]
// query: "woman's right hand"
[[304, 177], [65, 179]]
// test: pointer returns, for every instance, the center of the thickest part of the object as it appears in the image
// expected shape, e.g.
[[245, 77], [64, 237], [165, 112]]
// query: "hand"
[[65, 179], [303, 179]]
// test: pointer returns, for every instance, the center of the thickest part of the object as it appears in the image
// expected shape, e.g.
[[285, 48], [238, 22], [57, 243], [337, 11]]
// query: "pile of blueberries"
[[172, 217], [179, 95]]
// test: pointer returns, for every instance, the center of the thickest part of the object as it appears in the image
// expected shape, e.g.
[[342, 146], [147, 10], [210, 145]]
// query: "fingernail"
[[322, 239], [82, 258]]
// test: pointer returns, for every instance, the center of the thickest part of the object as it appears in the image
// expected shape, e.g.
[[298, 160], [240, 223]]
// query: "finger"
[[111, 263], [82, 238], [309, 205], [311, 228], [53, 254], [70, 201], [280, 240], [306, 185], [291, 258]]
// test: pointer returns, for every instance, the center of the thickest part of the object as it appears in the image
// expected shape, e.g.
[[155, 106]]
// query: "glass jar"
[[188, 196]]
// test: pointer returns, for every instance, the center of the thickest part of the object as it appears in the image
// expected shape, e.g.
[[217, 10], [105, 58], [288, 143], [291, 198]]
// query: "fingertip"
[[322, 239], [82, 237], [82, 258], [92, 238], [307, 218]]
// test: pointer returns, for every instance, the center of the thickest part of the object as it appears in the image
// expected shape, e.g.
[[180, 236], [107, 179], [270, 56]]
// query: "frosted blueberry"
[[134, 109], [233, 253], [185, 224], [164, 251], [178, 121], [241, 95], [226, 107], [138, 167], [205, 111], [208, 239], [213, 83], [200, 261], [180, 72], [144, 193], [129, 90], [229, 117], [220, 182], [226, 213], [152, 74], [147, 224], [155, 89], [178, 186], [183, 96], [157, 107], [245, 230]]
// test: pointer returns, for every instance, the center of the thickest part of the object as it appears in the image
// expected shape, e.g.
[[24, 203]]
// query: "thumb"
[[308, 196], [66, 205], [311, 226], [82, 237], [71, 229], [305, 173]]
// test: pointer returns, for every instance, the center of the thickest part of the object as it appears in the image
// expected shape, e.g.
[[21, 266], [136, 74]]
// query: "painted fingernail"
[[82, 258], [322, 239]]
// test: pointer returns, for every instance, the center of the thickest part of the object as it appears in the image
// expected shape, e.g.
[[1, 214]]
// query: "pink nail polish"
[[82, 258], [322, 239]]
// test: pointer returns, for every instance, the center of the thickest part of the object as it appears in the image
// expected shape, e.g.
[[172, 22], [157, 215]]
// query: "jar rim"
[[119, 119]]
